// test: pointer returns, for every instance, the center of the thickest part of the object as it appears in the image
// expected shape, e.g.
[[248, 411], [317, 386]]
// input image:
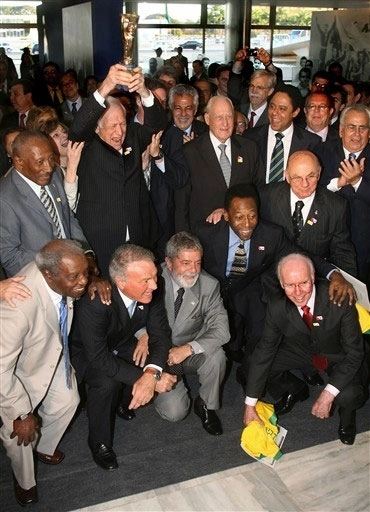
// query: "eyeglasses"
[[317, 84], [291, 287], [240, 123], [354, 128], [300, 179], [317, 107]]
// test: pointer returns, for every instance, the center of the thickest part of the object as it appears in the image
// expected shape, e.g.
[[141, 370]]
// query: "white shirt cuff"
[[250, 401], [332, 390], [149, 101], [99, 98]]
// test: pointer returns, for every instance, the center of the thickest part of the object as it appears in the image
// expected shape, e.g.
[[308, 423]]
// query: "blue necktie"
[[352, 156], [131, 308], [63, 324]]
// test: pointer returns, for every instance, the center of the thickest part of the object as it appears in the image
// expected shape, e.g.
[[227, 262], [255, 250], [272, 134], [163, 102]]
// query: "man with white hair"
[[302, 328]]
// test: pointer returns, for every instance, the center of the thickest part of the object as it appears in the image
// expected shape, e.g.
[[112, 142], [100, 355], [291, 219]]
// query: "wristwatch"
[[159, 156], [156, 373], [23, 416]]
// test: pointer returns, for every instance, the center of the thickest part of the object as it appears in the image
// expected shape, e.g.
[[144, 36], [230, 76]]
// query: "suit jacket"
[[103, 337], [202, 316], [10, 121], [326, 231], [331, 154], [25, 225], [113, 193], [206, 188], [301, 139], [66, 115], [335, 334], [30, 347]]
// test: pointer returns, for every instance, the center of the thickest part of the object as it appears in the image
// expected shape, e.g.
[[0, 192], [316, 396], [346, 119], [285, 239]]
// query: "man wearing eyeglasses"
[[320, 81], [318, 110], [304, 328], [346, 171]]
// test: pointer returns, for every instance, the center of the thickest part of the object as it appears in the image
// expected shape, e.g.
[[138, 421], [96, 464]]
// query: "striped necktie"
[[50, 208], [225, 164], [178, 301], [63, 324], [277, 160], [239, 265], [74, 108]]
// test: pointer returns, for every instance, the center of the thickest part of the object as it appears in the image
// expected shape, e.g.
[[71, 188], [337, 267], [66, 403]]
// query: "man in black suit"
[[323, 219], [346, 171], [305, 328], [114, 204], [21, 100], [283, 109], [108, 347], [216, 160]]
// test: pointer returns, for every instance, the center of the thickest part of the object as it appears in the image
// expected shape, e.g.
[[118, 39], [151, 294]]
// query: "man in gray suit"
[[25, 223], [199, 329], [34, 368]]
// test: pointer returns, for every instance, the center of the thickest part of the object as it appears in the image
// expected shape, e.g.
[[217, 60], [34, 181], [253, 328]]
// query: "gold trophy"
[[128, 30]]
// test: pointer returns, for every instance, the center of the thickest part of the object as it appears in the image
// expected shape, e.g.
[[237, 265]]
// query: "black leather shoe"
[[125, 413], [314, 379], [347, 427], [104, 456], [288, 400], [210, 421], [25, 496]]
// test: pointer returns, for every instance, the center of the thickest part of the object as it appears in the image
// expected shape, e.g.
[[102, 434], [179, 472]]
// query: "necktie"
[[319, 362], [225, 164], [50, 208], [74, 108], [297, 219], [251, 120], [56, 98], [131, 308], [63, 324], [147, 173], [239, 265], [352, 156], [178, 301], [277, 160], [22, 119]]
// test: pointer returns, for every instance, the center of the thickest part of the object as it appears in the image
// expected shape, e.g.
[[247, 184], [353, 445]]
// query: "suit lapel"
[[211, 161], [189, 303], [283, 207]]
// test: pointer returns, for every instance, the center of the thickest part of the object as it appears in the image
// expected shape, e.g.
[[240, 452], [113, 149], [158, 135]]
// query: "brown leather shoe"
[[54, 459], [25, 496]]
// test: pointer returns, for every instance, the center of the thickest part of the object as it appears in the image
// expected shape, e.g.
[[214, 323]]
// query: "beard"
[[186, 280]]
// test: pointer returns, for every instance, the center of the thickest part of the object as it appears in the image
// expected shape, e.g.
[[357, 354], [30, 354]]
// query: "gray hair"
[[214, 99], [126, 254], [110, 101], [295, 256], [51, 255], [182, 241], [359, 108], [263, 73], [181, 90]]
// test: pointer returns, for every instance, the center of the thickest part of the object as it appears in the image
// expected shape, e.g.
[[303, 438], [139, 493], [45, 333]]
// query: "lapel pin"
[[127, 151], [58, 199], [140, 307], [315, 324], [261, 247], [240, 159]]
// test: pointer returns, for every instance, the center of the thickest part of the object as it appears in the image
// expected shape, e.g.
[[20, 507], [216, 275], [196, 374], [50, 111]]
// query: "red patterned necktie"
[[319, 362]]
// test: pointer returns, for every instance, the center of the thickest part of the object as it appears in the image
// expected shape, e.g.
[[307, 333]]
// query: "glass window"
[[215, 14], [260, 15], [296, 16], [169, 13]]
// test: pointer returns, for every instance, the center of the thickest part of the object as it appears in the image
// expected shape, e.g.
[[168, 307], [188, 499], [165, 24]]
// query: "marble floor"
[[327, 478]]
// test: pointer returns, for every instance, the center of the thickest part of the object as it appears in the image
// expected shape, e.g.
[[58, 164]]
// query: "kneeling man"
[[305, 328]]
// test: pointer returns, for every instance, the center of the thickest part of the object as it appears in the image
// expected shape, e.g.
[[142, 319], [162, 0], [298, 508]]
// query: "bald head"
[[219, 116], [303, 173]]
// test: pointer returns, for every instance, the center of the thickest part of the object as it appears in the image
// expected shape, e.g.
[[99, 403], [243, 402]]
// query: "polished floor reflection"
[[329, 477]]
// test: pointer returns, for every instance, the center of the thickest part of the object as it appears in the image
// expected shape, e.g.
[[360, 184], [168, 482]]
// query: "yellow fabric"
[[364, 318], [259, 440]]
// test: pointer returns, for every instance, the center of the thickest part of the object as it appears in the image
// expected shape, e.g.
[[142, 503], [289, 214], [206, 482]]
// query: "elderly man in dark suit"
[[114, 204], [199, 329], [26, 222], [346, 171], [305, 328], [316, 219], [216, 160], [280, 138], [109, 348], [34, 364]]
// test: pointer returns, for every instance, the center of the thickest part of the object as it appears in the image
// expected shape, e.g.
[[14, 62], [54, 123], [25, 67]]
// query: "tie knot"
[[222, 148], [305, 309], [352, 156], [279, 136], [180, 293], [299, 205]]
